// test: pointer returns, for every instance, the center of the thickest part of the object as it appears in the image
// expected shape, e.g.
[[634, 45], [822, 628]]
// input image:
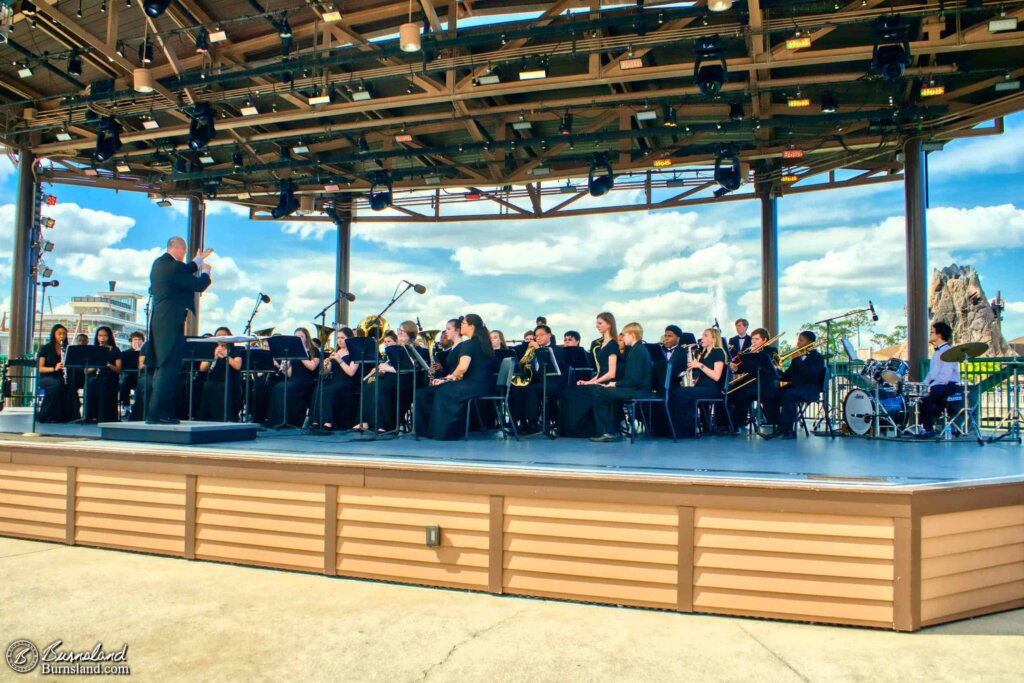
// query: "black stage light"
[[710, 77], [890, 54], [284, 32], [108, 139], [380, 200], [155, 8], [287, 204], [736, 111], [364, 146], [146, 52], [74, 64], [829, 103], [565, 128], [202, 41], [602, 184], [201, 129], [210, 190], [237, 159], [670, 116], [727, 170]]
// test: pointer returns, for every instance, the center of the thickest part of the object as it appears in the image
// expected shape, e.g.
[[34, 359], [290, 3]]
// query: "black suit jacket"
[[637, 375], [734, 344], [806, 371], [173, 285]]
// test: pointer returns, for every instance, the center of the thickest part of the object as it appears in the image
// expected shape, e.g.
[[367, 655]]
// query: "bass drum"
[[859, 410]]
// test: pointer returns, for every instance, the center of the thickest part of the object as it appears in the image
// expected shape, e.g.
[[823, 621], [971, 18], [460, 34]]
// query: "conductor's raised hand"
[[205, 253], [207, 267]]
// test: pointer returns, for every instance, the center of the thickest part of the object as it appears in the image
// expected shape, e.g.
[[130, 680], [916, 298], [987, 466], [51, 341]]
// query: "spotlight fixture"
[[244, 194], [150, 123], [319, 96], [798, 42], [409, 37], [108, 139], [284, 32], [74, 63], [720, 5], [522, 124], [202, 41], [165, 203], [647, 115], [146, 52], [793, 153], [201, 128], [249, 108], [63, 135], [155, 8], [285, 77], [300, 148], [219, 35], [45, 270], [123, 167], [28, 8], [670, 116], [24, 70], [46, 245], [210, 190], [565, 127], [600, 185], [727, 170], [798, 101], [432, 179], [237, 159], [491, 77], [142, 80], [631, 63], [380, 200], [331, 15], [932, 89], [533, 74], [890, 53], [710, 77], [1004, 23], [829, 103], [287, 204], [1007, 85], [207, 159], [403, 137], [540, 170], [736, 111], [361, 94], [363, 145]]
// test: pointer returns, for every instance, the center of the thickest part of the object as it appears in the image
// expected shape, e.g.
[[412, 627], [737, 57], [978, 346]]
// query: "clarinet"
[[63, 358]]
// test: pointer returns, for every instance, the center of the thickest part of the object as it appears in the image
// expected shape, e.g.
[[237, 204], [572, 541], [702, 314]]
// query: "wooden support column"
[[196, 238], [344, 212], [21, 320], [915, 183]]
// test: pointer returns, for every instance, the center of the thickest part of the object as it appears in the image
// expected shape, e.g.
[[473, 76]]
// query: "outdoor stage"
[[845, 531]]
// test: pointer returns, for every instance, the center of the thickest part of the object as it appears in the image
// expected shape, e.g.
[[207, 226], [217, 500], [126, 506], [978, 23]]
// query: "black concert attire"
[[635, 383], [760, 383], [683, 400], [221, 378], [60, 398], [943, 380], [525, 402], [673, 362], [737, 344], [575, 409], [337, 402], [300, 392], [145, 386], [441, 410], [804, 374], [102, 395], [173, 285], [129, 379], [386, 395]]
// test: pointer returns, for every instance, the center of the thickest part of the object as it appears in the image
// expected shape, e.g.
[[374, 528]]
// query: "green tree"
[[847, 328], [898, 334]]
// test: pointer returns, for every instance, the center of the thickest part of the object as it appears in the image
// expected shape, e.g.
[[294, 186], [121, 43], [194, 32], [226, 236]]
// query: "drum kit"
[[886, 403]]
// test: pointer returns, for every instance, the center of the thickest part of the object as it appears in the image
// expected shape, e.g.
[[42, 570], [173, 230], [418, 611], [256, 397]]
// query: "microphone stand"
[[319, 429], [373, 435], [834, 380], [248, 325]]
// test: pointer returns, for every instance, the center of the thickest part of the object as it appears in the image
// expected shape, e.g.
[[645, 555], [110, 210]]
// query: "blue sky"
[[837, 250]]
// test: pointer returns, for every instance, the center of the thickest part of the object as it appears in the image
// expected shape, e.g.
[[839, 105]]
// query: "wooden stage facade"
[[854, 550]]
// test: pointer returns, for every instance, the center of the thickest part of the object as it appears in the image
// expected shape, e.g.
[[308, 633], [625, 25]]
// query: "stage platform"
[[844, 531]]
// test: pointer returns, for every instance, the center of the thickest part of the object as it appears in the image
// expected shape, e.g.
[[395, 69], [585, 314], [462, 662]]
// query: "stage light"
[[533, 74], [74, 64], [201, 128], [361, 94], [63, 135], [409, 37], [287, 204], [631, 63], [793, 154], [45, 270], [646, 115], [28, 8], [108, 139], [363, 145], [720, 5], [727, 170], [710, 77], [670, 116], [123, 167], [207, 159], [491, 77], [540, 170], [736, 111], [522, 124], [142, 81], [202, 41], [237, 159], [565, 127], [24, 71], [218, 36], [249, 108], [829, 103], [1002, 24], [1007, 85], [798, 42], [798, 102], [300, 148], [790, 178], [49, 222], [146, 52], [244, 194], [284, 32], [331, 15], [890, 53], [932, 90], [320, 97], [432, 180], [380, 200], [403, 137], [600, 185], [46, 245], [210, 190], [150, 124], [155, 8], [165, 203], [662, 163]]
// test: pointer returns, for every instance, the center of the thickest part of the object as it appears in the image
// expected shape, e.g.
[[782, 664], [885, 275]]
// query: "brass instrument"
[[268, 332], [374, 326], [741, 380], [525, 364], [323, 335], [799, 351], [694, 352], [429, 338]]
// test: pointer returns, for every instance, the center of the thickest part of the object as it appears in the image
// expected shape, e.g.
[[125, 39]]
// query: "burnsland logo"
[[23, 656]]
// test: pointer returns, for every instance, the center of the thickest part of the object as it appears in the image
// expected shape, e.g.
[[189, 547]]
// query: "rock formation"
[[955, 296]]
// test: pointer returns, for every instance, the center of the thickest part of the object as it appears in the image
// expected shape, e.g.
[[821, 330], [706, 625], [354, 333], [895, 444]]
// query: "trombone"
[[741, 380]]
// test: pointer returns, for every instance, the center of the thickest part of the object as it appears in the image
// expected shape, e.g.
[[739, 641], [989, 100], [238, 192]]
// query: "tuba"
[[374, 326]]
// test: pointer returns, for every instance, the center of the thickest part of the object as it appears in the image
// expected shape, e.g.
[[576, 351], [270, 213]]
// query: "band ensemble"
[[442, 384]]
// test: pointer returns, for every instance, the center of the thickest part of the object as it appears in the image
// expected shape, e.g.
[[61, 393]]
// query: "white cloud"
[[7, 167], [213, 208], [308, 230], [129, 267], [655, 312], [999, 153], [702, 268], [1016, 307], [78, 230]]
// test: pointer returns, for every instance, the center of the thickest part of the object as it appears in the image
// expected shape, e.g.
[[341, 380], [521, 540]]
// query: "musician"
[[174, 286], [541, 320], [498, 340], [336, 402], [525, 402], [391, 391], [445, 359], [710, 374], [571, 338], [145, 385], [130, 374], [675, 354], [101, 397], [741, 340], [76, 377], [440, 410], [755, 376], [521, 347], [223, 377], [299, 377], [635, 383], [943, 378], [803, 380], [575, 410], [60, 400]]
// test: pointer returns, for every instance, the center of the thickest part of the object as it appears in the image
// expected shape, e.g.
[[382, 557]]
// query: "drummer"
[[943, 378]]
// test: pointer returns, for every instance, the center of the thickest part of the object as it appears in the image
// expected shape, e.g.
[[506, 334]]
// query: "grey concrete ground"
[[202, 621]]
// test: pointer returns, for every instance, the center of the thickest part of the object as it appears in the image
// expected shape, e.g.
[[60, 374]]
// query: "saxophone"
[[694, 352]]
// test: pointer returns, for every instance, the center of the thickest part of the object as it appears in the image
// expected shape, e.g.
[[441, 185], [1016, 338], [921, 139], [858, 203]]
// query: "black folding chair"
[[722, 400], [645, 417], [503, 385], [801, 414]]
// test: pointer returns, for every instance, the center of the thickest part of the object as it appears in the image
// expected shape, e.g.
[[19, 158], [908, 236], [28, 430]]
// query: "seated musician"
[[446, 358], [635, 383], [575, 410], [60, 398], [943, 378], [130, 368], [102, 395], [299, 377], [521, 347], [525, 402], [336, 400], [709, 372], [801, 383], [755, 378], [741, 340], [385, 404], [675, 355], [221, 397], [498, 340], [571, 338]]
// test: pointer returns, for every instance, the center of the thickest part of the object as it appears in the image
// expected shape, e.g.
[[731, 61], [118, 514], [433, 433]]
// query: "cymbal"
[[961, 352]]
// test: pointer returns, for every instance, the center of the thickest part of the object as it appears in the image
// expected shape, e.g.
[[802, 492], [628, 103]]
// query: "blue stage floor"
[[839, 461]]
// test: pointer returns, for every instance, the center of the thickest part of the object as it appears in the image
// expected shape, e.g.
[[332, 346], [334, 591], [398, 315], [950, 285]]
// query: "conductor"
[[173, 285]]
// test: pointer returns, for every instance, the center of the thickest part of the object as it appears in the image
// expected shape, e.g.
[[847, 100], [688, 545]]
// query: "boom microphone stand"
[[829, 354], [261, 299]]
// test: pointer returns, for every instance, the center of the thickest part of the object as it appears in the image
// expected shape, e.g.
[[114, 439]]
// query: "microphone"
[[51, 283], [348, 296], [420, 289], [265, 298], [874, 316], [716, 325]]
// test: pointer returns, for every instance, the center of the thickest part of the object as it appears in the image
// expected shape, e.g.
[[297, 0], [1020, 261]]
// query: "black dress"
[[337, 401], [102, 393], [60, 399], [682, 400], [391, 394], [575, 413], [441, 410], [222, 378], [300, 391]]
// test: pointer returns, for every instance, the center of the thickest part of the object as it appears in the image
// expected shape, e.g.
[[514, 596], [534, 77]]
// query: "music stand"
[[196, 351], [85, 358], [286, 348], [549, 367], [224, 339], [363, 352], [255, 362], [576, 360], [129, 366], [417, 364]]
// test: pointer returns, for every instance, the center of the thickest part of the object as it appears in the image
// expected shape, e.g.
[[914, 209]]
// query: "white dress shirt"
[[940, 371]]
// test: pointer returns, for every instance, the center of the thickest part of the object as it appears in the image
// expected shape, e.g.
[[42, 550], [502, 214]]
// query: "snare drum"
[[872, 371], [894, 371], [912, 390]]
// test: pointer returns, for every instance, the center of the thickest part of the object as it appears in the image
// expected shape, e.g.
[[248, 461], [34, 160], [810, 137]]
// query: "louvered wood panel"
[[130, 510], [33, 501]]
